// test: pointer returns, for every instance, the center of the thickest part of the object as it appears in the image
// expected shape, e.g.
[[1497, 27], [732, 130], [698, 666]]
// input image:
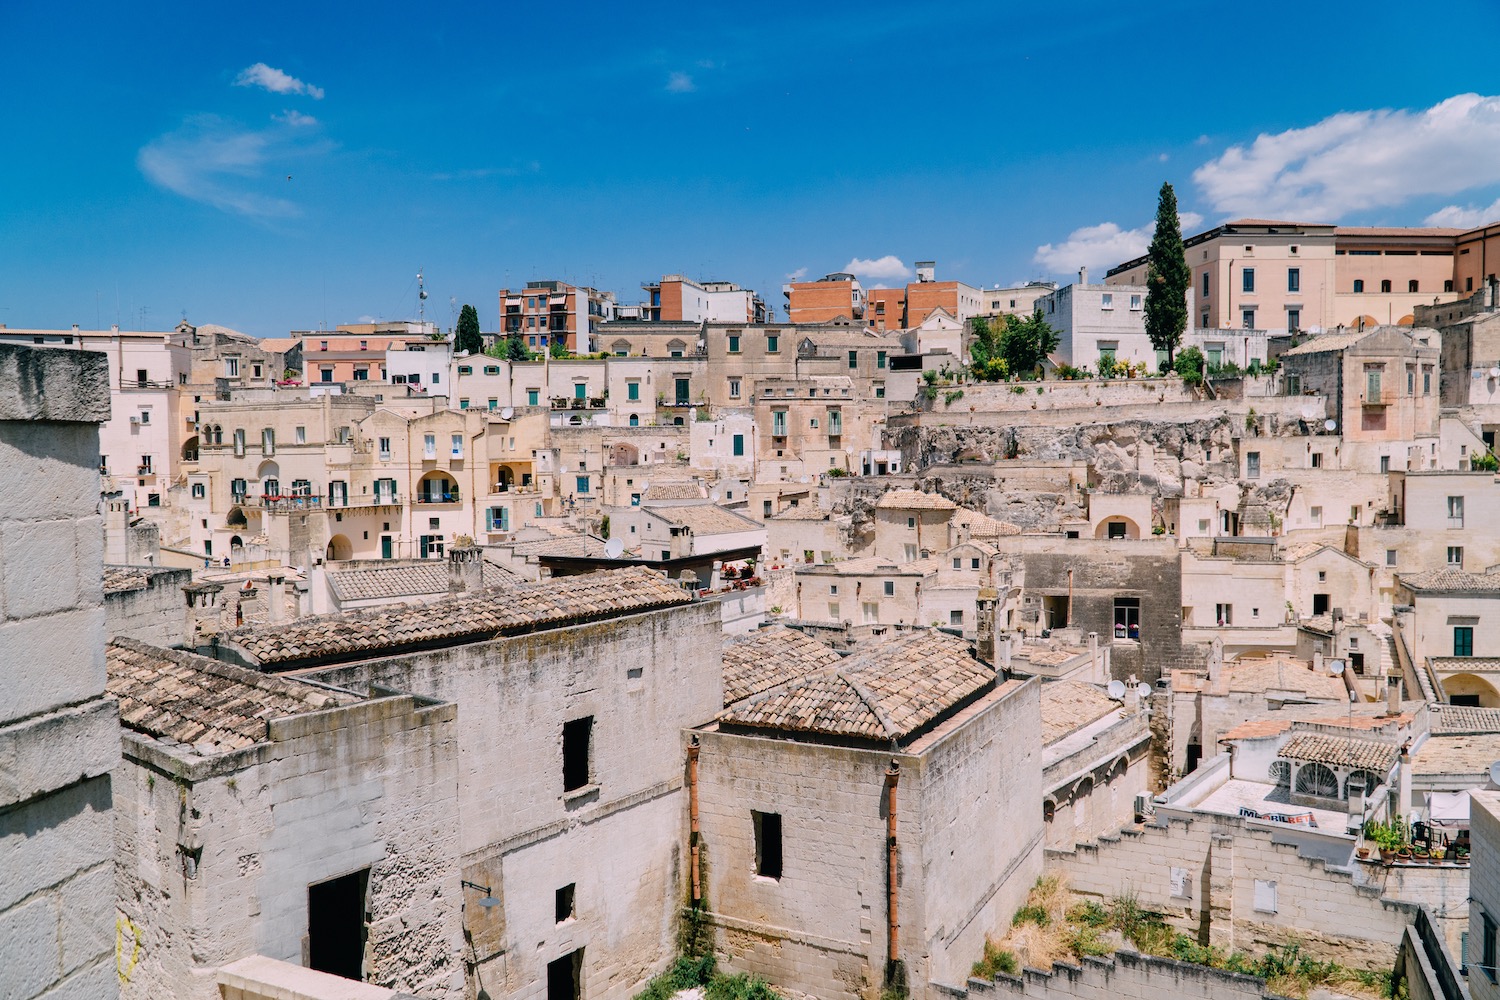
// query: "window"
[[771, 344], [853, 359], [739, 445], [1205, 287], [974, 563], [299, 435], [835, 423], [564, 902], [1359, 285], [325, 374], [565, 977], [778, 423], [1487, 947], [911, 522], [734, 388], [268, 441], [580, 390], [237, 489], [1294, 319], [231, 367], [955, 617], [1224, 613], [429, 446], [1114, 530], [958, 562], [1390, 557], [336, 927], [457, 445], [879, 390], [734, 343], [361, 373], [577, 737], [1107, 300], [1247, 318], [1127, 617], [1317, 463], [1427, 381], [1385, 285], [879, 359], [1456, 556], [465, 370], [890, 588], [532, 395], [1463, 640], [767, 844], [1372, 384], [1135, 301], [1252, 465], [1321, 604], [198, 491], [385, 449], [1280, 773], [583, 484], [1247, 279], [1315, 779], [1294, 279]]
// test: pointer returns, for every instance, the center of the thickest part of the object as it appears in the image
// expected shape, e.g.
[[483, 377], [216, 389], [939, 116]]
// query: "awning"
[[1448, 808]]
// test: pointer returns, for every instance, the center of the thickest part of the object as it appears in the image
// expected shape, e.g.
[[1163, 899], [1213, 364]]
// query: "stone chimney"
[[202, 610], [1393, 696], [1083, 276], [1216, 665], [465, 569], [116, 524], [275, 596], [1096, 673], [988, 598]]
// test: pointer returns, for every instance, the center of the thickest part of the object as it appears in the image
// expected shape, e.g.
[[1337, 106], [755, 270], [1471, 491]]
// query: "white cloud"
[[889, 266], [1359, 160], [797, 275], [234, 169], [277, 82], [1465, 217], [680, 83], [1104, 245], [296, 119]]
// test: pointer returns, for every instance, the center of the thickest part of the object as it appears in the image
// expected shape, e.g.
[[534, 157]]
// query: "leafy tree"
[[1025, 343], [1167, 278], [559, 349], [985, 363], [511, 348], [1189, 365], [468, 338]]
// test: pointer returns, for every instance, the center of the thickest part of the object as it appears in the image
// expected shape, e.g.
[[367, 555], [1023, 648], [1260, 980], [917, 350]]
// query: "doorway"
[[565, 977], [337, 925]]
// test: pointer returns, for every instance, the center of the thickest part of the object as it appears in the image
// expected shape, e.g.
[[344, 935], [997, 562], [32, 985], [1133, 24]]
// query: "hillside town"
[[920, 642]]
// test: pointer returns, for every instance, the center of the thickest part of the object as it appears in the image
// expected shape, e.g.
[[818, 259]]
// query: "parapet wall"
[[1127, 976]]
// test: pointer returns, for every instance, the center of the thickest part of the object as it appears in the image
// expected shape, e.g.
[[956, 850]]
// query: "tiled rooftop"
[[707, 519], [914, 500], [889, 691], [1472, 753], [210, 706], [405, 581], [122, 578], [1325, 342], [1340, 751], [562, 545], [802, 512], [1450, 579], [1273, 673], [1071, 705], [684, 490], [466, 618], [1464, 719], [982, 525], [773, 655]]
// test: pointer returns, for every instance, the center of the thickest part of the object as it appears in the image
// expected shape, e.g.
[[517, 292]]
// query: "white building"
[[1094, 322]]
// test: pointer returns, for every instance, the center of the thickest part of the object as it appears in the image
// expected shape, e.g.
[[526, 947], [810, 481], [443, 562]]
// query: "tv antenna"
[[421, 298]]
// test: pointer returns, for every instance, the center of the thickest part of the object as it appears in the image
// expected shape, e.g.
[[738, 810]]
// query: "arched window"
[[1315, 779], [1411, 286], [1369, 779], [635, 420], [1359, 284], [1280, 773], [1385, 285]]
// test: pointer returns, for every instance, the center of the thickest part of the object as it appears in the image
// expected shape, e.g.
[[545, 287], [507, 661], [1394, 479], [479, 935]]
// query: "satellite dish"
[[714, 496], [1116, 690], [507, 413], [1495, 773], [1143, 689], [1330, 424], [1309, 413], [1495, 373], [1335, 667], [614, 548], [645, 485]]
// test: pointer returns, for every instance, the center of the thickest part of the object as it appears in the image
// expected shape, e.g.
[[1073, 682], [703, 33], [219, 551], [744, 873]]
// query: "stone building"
[[570, 775], [58, 729], [1096, 761], [267, 815], [866, 819]]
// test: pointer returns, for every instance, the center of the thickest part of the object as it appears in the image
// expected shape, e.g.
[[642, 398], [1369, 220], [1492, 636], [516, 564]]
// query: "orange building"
[[835, 296], [906, 308], [675, 299], [356, 352], [546, 312], [1476, 258]]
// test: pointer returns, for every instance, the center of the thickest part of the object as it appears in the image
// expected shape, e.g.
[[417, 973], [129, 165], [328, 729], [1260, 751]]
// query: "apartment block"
[[550, 312], [833, 297], [678, 299]]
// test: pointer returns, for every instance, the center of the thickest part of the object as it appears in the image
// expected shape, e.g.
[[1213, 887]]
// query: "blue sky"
[[273, 167]]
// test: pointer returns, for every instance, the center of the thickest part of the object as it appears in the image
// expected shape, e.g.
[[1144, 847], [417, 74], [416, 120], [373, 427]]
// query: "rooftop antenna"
[[421, 299]]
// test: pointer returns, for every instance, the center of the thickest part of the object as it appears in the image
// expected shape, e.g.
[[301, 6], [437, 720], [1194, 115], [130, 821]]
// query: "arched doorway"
[[1470, 689], [339, 548], [190, 449], [269, 475], [236, 548], [505, 479], [1117, 527]]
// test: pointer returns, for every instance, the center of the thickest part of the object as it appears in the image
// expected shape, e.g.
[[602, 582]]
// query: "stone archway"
[[339, 549]]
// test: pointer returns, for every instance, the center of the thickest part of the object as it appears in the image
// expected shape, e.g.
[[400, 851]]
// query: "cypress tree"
[[1167, 278], [468, 338]]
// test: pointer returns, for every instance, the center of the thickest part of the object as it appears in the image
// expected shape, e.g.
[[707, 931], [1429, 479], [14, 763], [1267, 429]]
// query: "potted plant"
[[1403, 853], [1363, 852]]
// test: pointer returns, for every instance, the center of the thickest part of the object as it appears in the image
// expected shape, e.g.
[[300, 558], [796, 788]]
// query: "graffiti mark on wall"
[[127, 947]]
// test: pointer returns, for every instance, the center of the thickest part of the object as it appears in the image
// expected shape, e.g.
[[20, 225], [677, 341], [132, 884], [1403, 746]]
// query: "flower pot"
[[1363, 852]]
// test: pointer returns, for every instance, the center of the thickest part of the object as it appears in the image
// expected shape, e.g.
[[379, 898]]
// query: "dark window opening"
[[577, 735], [1115, 529], [1321, 604], [1357, 663], [1464, 700], [767, 844], [565, 977], [336, 925], [565, 902]]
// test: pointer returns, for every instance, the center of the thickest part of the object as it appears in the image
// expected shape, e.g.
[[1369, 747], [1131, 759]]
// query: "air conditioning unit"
[[135, 420]]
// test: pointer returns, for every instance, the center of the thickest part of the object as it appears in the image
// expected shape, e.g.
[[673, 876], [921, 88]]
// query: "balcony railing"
[[446, 496], [284, 502]]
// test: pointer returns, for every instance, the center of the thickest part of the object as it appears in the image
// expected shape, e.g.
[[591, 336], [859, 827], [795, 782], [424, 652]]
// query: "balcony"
[[574, 403], [283, 504], [439, 496]]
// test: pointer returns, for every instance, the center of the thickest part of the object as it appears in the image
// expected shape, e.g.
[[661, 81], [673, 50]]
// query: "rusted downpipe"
[[693, 817], [892, 776]]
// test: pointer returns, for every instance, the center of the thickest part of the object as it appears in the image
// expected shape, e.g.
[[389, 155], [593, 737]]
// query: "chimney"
[[1216, 665], [275, 596], [1393, 696], [465, 569], [202, 610], [1094, 666], [1083, 275], [985, 645], [1403, 782]]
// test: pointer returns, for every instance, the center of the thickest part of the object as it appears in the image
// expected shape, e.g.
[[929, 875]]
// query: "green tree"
[[511, 348], [1025, 343], [985, 363], [1167, 278], [468, 338], [1189, 365]]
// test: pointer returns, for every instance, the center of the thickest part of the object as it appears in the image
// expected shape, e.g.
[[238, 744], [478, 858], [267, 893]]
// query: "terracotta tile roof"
[[1257, 729], [1450, 579], [1464, 719], [914, 500], [1337, 340], [707, 519], [211, 706], [1071, 705], [1397, 231], [1274, 222], [1470, 753], [774, 655], [122, 578], [561, 545], [405, 581], [886, 692], [1341, 751], [685, 490], [802, 512], [982, 525], [527, 607]]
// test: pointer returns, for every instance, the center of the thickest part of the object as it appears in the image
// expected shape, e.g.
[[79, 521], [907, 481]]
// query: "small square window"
[[955, 617], [890, 588], [565, 901]]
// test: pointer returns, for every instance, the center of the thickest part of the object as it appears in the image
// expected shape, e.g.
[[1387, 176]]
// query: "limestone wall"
[[643, 678], [58, 733], [154, 613], [215, 855], [1126, 976]]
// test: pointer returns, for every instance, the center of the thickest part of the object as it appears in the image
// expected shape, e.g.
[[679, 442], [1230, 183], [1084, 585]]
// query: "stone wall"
[[155, 612], [821, 927], [1126, 976], [215, 855], [58, 732], [618, 840]]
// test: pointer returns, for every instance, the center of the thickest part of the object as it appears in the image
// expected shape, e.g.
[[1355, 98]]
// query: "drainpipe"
[[892, 775], [1069, 619], [693, 818]]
